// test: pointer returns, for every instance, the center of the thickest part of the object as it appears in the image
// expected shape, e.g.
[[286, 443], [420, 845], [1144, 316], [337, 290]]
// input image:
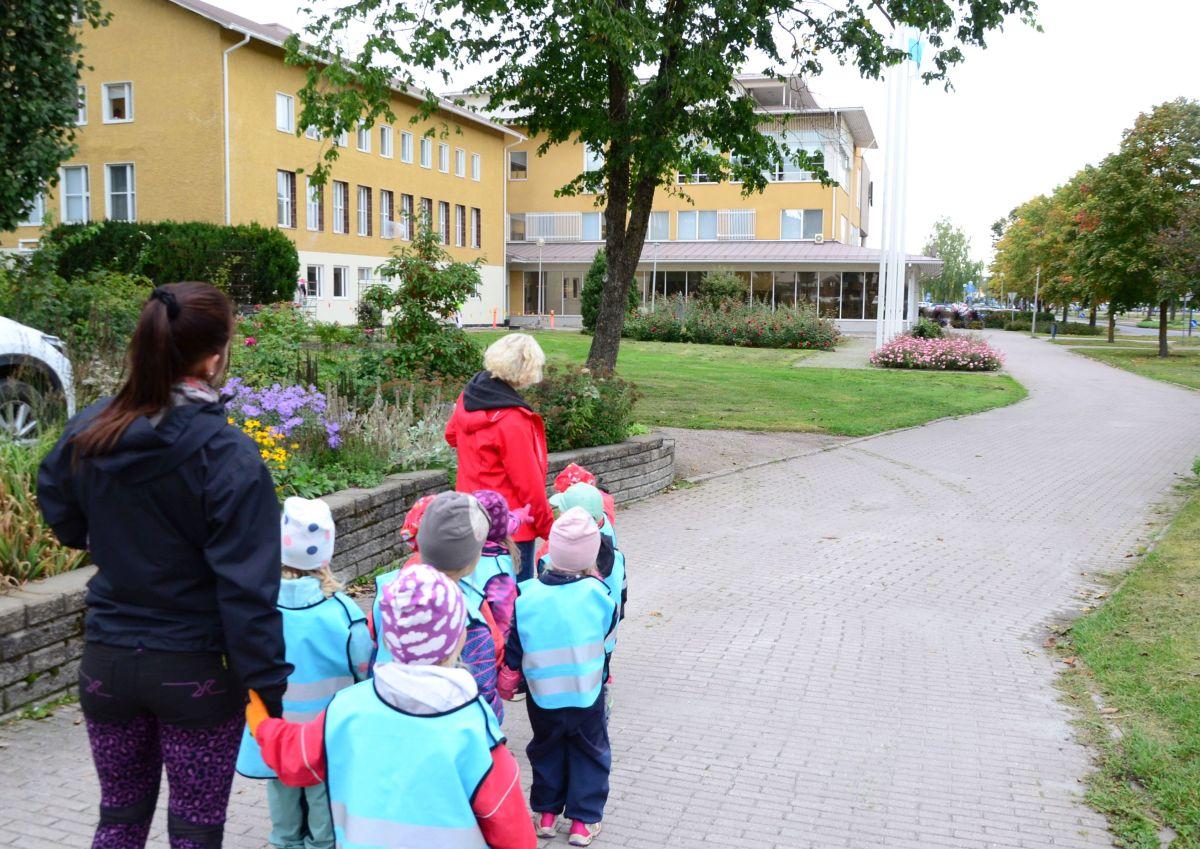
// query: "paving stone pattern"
[[839, 650]]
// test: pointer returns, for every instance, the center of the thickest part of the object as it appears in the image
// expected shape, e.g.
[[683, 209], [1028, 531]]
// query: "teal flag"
[[916, 49]]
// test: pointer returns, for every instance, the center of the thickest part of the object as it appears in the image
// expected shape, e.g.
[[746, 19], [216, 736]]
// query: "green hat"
[[580, 495]]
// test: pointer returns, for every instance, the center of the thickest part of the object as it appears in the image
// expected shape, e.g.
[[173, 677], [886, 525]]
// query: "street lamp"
[[654, 277]]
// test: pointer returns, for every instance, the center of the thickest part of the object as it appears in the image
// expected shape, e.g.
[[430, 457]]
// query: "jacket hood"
[[145, 452], [297, 593], [424, 690], [485, 392]]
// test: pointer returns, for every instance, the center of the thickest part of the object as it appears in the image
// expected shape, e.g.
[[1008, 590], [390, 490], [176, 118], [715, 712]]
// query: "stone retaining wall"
[[41, 625]]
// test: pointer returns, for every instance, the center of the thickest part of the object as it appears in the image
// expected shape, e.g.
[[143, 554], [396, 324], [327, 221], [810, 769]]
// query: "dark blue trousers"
[[570, 759], [527, 549]]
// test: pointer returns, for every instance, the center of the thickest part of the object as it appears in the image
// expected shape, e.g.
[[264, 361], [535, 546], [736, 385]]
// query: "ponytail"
[[180, 325]]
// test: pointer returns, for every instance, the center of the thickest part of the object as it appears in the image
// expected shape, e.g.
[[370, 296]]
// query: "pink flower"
[[251, 341]]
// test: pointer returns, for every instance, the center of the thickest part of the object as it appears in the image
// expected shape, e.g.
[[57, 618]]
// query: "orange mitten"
[[256, 712]]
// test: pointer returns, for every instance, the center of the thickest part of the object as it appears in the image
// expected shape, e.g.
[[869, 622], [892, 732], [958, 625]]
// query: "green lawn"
[[1141, 651], [1182, 366], [713, 387]]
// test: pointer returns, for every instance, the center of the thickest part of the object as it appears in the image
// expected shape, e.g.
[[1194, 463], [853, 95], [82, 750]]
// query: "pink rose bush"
[[952, 353]]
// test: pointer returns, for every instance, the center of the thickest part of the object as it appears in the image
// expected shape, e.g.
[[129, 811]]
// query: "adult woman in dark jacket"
[[180, 516]]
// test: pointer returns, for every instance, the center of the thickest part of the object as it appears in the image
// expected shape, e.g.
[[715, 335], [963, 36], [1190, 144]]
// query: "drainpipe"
[[837, 136], [225, 82]]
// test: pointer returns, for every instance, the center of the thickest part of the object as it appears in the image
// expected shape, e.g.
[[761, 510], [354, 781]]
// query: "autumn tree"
[[952, 246], [650, 85]]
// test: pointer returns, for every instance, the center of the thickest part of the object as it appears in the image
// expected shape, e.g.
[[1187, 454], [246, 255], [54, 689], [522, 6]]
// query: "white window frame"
[[513, 153], [282, 202], [406, 147], [805, 234], [385, 141], [289, 122], [312, 205], [362, 139], [443, 221], [81, 111], [593, 160], [426, 152], [407, 213], [476, 167], [342, 139], [386, 230], [460, 162], [131, 193], [363, 211], [341, 191], [36, 210], [311, 132], [345, 269], [444, 157], [27, 246], [583, 225], [460, 225], [365, 280], [106, 101], [85, 196], [319, 282], [658, 216], [476, 227]]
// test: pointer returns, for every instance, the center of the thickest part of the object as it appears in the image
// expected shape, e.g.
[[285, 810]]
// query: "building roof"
[[734, 252], [277, 34]]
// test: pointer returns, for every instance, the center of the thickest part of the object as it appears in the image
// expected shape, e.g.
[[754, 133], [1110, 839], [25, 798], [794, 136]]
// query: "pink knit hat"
[[424, 615], [574, 541]]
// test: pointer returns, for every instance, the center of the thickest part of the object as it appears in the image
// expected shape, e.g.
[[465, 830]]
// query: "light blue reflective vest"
[[382, 653], [562, 629], [403, 781], [617, 582], [488, 567], [609, 531], [317, 644]]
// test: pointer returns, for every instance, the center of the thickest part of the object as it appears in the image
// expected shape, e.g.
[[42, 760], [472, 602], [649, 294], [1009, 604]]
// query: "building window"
[[34, 213], [364, 211], [76, 198], [476, 227], [406, 147], [801, 223], [311, 132], [285, 113], [314, 279], [120, 201], [516, 227], [460, 162], [385, 142], [314, 206], [475, 167], [363, 142], [444, 221], [426, 153], [386, 201], [364, 278], [660, 227], [593, 160], [593, 227], [341, 276], [406, 217], [341, 139], [118, 103], [444, 157], [285, 198], [341, 207], [518, 165], [426, 212], [697, 224], [460, 225], [788, 170], [81, 107]]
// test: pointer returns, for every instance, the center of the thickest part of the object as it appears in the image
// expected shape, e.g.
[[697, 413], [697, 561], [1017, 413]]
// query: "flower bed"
[[953, 353]]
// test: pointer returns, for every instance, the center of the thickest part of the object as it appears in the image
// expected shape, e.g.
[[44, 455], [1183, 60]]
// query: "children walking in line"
[[557, 643], [328, 645], [495, 576], [414, 758], [610, 561]]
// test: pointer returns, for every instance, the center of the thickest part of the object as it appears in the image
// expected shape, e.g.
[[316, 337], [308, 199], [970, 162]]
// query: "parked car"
[[35, 378]]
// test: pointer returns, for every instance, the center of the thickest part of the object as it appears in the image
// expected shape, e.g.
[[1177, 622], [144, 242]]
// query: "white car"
[[34, 373]]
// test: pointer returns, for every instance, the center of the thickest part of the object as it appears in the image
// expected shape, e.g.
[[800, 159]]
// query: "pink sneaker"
[[582, 833], [546, 825]]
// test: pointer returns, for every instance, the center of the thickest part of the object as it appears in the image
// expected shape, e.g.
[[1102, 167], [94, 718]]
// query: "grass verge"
[[718, 387], [1182, 366], [1140, 652]]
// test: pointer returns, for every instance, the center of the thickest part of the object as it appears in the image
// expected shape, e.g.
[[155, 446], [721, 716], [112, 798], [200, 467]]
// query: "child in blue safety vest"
[[414, 757], [329, 647], [495, 576], [561, 622]]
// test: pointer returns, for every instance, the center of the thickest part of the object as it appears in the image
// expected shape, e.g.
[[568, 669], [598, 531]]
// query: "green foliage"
[[926, 329], [41, 53], [952, 246], [748, 325], [253, 264], [722, 287], [28, 548], [582, 409], [270, 349], [593, 287]]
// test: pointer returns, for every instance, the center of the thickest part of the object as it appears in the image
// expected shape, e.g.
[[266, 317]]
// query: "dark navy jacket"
[[182, 522]]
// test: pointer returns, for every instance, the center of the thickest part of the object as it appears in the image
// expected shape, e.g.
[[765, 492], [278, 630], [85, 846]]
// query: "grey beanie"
[[452, 532]]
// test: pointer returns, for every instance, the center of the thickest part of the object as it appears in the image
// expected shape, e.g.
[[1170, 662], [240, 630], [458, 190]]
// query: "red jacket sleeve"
[[525, 462], [500, 807], [452, 429], [295, 750]]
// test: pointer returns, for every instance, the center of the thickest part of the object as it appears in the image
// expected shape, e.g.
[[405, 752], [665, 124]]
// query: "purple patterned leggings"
[[129, 758]]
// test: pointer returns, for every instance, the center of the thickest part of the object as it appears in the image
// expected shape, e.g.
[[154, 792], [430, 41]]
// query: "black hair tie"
[[169, 301]]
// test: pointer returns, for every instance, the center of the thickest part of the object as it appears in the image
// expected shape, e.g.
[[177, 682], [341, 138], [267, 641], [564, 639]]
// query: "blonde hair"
[[329, 584], [517, 359]]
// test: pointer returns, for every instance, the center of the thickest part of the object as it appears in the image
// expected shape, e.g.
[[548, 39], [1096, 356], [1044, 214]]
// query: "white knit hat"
[[306, 533]]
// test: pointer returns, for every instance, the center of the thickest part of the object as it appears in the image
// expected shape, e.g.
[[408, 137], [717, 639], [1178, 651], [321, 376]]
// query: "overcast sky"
[[1025, 114]]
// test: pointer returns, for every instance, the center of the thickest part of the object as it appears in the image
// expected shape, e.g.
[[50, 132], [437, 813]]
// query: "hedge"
[[254, 264]]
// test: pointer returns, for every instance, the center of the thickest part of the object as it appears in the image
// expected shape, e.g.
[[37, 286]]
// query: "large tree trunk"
[[1112, 323], [1092, 316], [1173, 309], [1066, 312], [1163, 309]]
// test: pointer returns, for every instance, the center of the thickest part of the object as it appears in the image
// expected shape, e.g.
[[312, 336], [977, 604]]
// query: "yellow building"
[[188, 112]]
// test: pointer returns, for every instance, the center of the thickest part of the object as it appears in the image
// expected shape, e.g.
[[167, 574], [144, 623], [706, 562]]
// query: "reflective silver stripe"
[[561, 657], [326, 688], [367, 831], [565, 683], [301, 715]]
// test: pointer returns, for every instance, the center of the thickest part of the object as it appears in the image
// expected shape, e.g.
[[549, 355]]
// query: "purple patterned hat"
[[424, 615], [501, 522]]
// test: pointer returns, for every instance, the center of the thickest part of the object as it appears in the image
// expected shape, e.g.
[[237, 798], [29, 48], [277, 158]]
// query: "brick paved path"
[[841, 650]]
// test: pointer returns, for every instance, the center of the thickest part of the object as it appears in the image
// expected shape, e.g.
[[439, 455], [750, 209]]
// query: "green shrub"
[[253, 264], [28, 548], [270, 346], [582, 409], [593, 288], [1079, 328], [721, 287], [661, 324], [926, 329], [733, 323]]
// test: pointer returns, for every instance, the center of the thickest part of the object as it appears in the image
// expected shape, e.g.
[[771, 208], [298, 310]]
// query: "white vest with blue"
[[562, 628], [317, 641], [616, 582], [401, 780]]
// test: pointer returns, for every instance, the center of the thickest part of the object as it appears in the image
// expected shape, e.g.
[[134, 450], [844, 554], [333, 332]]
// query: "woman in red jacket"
[[501, 441]]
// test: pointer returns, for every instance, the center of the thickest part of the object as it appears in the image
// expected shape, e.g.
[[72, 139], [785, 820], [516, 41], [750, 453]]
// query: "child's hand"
[[507, 682], [256, 712]]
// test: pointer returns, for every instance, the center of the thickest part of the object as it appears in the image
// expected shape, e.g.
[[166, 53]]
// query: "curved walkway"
[[840, 650]]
